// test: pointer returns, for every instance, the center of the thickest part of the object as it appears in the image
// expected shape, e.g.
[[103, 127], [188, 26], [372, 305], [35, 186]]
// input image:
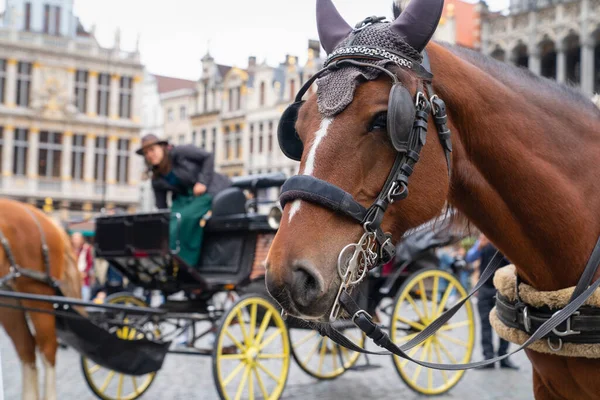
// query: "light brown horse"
[[525, 171], [22, 233]]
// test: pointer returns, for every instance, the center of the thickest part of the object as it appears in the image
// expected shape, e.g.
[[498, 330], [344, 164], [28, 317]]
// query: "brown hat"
[[150, 140]]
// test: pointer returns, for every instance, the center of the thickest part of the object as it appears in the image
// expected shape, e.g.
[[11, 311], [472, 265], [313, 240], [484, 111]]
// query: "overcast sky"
[[175, 33]]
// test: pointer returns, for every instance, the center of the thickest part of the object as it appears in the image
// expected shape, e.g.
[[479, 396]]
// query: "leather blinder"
[[400, 117], [288, 138]]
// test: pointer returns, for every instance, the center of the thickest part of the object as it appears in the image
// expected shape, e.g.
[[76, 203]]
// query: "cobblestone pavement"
[[185, 377]]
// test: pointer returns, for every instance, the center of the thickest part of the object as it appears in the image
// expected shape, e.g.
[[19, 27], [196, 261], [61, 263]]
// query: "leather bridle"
[[374, 247]]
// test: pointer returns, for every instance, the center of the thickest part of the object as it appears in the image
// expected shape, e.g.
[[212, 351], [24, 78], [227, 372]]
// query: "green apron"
[[190, 233]]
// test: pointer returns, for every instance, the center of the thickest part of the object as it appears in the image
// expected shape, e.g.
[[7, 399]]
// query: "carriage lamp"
[[48, 205], [274, 218]]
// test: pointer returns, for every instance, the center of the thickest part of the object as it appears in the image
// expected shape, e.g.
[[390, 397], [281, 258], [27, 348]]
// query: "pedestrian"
[[85, 263], [461, 268], [483, 250]]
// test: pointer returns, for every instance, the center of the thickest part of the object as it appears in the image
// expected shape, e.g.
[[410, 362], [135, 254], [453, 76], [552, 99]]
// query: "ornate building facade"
[[558, 39], [70, 112], [238, 112]]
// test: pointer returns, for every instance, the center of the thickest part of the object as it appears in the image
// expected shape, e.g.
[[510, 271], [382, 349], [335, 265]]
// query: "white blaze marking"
[[49, 380], [309, 166], [30, 382]]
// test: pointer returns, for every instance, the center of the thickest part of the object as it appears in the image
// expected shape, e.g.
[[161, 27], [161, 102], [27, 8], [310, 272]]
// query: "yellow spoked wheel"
[[423, 297], [111, 385], [321, 358], [252, 351]]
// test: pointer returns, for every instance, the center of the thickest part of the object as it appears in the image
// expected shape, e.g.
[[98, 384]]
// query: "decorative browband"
[[370, 52]]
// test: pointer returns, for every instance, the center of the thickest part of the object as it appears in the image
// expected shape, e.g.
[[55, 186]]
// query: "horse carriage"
[[252, 343], [222, 308]]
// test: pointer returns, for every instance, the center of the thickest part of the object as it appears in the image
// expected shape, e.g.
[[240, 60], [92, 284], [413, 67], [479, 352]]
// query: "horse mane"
[[525, 82]]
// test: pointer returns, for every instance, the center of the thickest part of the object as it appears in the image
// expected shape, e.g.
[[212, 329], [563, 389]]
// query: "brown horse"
[[525, 171], [24, 239]]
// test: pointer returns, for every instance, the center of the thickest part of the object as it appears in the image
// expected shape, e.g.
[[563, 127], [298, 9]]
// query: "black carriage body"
[[138, 244]]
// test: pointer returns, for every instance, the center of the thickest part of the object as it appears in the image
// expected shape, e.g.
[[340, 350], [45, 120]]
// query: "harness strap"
[[381, 338], [582, 327], [8, 251], [588, 274], [45, 256], [318, 191], [16, 270]]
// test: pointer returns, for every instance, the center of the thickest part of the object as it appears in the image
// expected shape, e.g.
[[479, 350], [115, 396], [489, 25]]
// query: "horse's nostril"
[[307, 285]]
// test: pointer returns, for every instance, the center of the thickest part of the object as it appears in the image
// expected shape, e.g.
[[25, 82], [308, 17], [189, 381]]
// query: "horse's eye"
[[379, 122]]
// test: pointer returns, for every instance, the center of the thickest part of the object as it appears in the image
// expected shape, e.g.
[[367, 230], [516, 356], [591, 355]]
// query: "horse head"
[[358, 140]]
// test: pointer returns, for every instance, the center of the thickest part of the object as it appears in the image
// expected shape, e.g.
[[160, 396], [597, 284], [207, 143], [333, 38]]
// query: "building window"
[[228, 148], [292, 88], [205, 97], [21, 146], [214, 140], [78, 157], [51, 19], [23, 83], [260, 138], [2, 79], [230, 99], [170, 115], [228, 151], [238, 100], [103, 94], [122, 161], [214, 99], [194, 138], [101, 152], [1, 146], [46, 18], [125, 94], [57, 15], [203, 139], [262, 93], [238, 146], [28, 16], [182, 113], [251, 144], [181, 139], [81, 80], [50, 151], [270, 144]]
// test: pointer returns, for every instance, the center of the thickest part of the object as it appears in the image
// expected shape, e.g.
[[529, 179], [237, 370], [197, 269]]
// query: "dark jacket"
[[190, 165], [487, 253]]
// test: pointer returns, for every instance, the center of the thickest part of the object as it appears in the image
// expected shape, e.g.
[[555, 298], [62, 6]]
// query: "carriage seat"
[[229, 202], [259, 181]]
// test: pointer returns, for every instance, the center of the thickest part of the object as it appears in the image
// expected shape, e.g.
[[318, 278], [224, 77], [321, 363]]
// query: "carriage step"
[[365, 367], [191, 351]]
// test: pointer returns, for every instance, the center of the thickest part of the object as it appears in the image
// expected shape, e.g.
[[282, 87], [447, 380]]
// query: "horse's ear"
[[418, 21], [331, 26], [396, 9]]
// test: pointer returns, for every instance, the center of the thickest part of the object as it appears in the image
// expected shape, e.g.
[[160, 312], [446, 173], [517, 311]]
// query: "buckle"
[[526, 319], [359, 312], [568, 331], [366, 22]]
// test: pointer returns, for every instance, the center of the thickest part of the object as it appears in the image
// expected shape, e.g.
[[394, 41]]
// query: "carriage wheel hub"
[[251, 355]]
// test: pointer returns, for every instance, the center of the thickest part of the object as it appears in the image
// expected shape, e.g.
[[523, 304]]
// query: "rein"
[[363, 320]]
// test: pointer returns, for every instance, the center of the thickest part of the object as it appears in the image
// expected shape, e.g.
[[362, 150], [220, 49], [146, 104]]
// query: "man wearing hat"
[[188, 173]]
